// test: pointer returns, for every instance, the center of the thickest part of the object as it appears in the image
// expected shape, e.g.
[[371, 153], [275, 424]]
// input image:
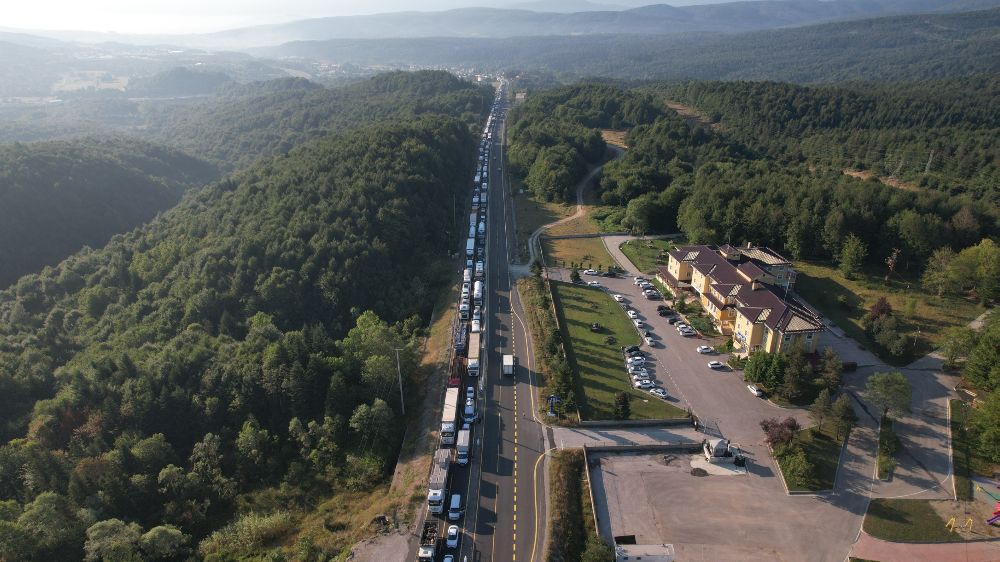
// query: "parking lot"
[[715, 517], [719, 398]]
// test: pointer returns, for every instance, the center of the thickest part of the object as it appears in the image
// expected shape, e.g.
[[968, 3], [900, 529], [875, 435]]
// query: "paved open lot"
[[715, 517], [719, 398]]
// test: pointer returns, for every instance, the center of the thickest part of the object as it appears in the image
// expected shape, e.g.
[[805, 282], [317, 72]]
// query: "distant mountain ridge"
[[730, 17], [914, 47]]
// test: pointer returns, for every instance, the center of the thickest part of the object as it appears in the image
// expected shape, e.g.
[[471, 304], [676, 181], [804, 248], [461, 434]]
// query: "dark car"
[[663, 312], [673, 320], [662, 307], [610, 274], [631, 348]]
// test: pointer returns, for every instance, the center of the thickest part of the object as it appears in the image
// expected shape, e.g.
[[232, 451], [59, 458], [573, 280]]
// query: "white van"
[[455, 509]]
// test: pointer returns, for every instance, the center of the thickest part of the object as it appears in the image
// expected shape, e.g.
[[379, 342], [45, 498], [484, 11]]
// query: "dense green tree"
[[843, 415], [821, 408], [852, 255], [890, 392], [623, 406]]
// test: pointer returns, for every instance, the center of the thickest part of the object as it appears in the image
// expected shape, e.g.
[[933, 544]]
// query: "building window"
[[788, 337], [809, 337]]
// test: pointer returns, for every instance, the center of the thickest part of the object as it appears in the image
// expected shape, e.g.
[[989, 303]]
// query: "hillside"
[[57, 197], [247, 123], [730, 17], [223, 349], [939, 135], [892, 48]]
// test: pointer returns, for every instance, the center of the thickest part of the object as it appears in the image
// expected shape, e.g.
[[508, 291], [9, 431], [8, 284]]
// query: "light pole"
[[399, 376]]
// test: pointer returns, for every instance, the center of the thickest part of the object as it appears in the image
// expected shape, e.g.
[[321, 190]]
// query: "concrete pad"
[[717, 469]]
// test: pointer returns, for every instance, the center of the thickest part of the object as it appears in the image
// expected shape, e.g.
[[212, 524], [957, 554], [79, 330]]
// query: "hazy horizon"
[[173, 16]]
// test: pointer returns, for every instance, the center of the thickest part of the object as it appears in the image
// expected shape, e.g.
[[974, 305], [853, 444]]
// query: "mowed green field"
[[597, 360]]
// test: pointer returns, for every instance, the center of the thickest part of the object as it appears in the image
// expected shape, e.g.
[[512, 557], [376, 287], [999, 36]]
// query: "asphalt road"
[[499, 485]]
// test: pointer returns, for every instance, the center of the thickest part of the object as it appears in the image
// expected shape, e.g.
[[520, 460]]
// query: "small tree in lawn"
[[830, 368], [574, 276], [779, 434], [797, 469], [623, 406], [891, 392], [821, 408], [852, 255], [843, 415]]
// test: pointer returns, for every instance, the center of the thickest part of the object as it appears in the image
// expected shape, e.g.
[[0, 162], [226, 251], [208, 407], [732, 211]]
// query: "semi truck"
[[477, 293], [462, 451], [449, 413], [428, 542], [473, 219], [461, 336], [473, 355], [437, 488], [508, 364]]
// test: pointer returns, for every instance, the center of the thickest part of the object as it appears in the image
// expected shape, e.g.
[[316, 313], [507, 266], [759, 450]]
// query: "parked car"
[[652, 295], [452, 540], [705, 350], [635, 360], [673, 320], [642, 377], [716, 365], [681, 326], [637, 371], [661, 307], [663, 313], [755, 391], [619, 298], [589, 272], [642, 384], [637, 280], [632, 314], [650, 341], [637, 322], [593, 283], [658, 392], [688, 333], [631, 348]]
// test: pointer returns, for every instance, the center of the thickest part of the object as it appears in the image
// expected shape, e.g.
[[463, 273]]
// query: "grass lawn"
[[906, 520], [647, 254], [533, 213], [887, 445], [823, 451], [598, 363], [587, 251], [821, 285]]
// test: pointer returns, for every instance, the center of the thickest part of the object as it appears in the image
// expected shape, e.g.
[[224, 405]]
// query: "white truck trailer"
[[473, 354], [462, 450], [508, 364], [449, 414]]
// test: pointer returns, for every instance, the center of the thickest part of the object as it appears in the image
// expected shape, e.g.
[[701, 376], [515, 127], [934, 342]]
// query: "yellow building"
[[747, 292]]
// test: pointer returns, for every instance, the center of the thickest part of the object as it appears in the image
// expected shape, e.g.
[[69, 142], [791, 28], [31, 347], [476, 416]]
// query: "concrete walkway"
[[870, 548], [570, 437]]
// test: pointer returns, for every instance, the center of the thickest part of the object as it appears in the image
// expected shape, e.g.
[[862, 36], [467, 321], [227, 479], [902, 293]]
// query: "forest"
[[554, 135], [909, 47], [940, 134], [56, 197], [238, 342]]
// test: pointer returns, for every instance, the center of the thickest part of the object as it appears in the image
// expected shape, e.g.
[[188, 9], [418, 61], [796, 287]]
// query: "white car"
[[452, 540], [705, 350], [755, 391], [642, 384], [635, 360], [681, 326], [593, 283], [639, 371], [632, 314], [470, 393], [688, 333], [642, 377], [637, 322], [637, 280], [658, 392], [716, 365], [649, 341], [619, 298], [589, 272]]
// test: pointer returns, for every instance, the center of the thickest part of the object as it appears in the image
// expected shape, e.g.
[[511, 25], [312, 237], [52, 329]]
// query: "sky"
[[195, 16]]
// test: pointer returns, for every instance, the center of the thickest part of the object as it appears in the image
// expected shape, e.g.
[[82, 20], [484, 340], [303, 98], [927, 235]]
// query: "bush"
[[247, 534], [797, 469]]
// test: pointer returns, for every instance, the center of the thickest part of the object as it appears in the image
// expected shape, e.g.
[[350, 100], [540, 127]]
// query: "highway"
[[506, 482]]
